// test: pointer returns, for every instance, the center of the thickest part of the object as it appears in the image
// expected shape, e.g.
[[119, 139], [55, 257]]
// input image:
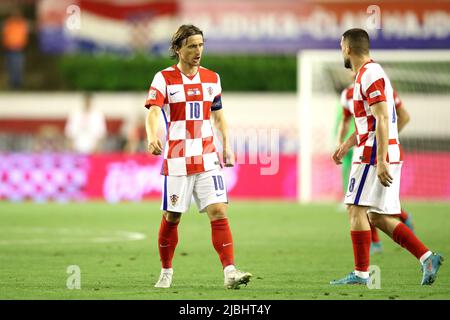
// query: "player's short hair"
[[358, 40], [183, 32]]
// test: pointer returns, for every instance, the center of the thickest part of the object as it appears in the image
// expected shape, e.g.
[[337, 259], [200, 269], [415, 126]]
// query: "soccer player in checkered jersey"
[[188, 96], [346, 103], [374, 181]]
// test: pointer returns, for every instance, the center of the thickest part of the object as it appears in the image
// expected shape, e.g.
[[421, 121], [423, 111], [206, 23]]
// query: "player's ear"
[[346, 50], [345, 46]]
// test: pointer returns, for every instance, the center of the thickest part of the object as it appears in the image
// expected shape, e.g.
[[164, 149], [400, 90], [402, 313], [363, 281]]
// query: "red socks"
[[223, 241], [374, 234], [406, 238], [403, 216], [167, 241], [361, 249]]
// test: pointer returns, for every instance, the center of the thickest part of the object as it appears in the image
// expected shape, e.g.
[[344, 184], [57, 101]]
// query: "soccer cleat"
[[165, 279], [234, 278], [430, 268], [351, 278], [409, 222], [375, 247]]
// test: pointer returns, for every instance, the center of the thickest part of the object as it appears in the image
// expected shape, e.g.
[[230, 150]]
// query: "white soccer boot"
[[165, 278], [234, 278]]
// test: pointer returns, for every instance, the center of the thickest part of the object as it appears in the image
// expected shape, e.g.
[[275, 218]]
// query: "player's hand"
[[339, 153], [383, 174], [228, 157], [155, 146]]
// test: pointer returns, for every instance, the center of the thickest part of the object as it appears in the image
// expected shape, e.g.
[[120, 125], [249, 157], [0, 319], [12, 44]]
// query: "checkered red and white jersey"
[[346, 101], [186, 104], [372, 86]]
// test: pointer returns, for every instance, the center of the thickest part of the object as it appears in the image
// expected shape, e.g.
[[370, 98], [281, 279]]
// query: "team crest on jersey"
[[174, 199], [152, 94], [210, 91], [193, 92]]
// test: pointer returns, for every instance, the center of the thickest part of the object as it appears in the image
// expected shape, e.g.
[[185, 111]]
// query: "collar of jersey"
[[370, 61], [189, 77]]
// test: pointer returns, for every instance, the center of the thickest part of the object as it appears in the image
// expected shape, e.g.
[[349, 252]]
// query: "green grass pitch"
[[292, 250]]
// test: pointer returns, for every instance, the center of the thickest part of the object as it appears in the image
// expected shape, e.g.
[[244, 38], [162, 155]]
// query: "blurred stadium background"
[[113, 48], [110, 50]]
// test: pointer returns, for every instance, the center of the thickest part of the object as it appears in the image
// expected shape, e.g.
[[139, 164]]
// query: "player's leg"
[[356, 199], [404, 236], [211, 197], [221, 236], [223, 244], [375, 246], [361, 237], [383, 215], [176, 195], [406, 218], [167, 242]]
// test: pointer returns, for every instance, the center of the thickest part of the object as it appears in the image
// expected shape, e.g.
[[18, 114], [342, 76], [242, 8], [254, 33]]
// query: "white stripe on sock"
[[425, 256], [229, 268], [362, 274], [167, 270]]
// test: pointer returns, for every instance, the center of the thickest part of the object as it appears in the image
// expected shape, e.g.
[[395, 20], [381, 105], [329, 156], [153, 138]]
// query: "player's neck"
[[187, 69], [358, 62]]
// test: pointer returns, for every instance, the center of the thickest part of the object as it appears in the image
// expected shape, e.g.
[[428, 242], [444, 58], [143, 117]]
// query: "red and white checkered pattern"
[[372, 86], [347, 101], [186, 105]]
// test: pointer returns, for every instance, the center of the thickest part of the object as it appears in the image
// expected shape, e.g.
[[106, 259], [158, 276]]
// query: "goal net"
[[422, 81]]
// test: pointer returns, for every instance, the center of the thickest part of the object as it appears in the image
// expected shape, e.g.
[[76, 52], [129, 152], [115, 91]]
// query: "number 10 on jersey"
[[194, 110]]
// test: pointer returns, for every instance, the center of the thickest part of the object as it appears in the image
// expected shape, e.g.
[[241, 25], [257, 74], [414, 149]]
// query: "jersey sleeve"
[[373, 85], [397, 101], [217, 102], [344, 104], [157, 92]]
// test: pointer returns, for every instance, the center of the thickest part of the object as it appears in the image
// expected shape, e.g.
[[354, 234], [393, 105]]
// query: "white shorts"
[[364, 189], [206, 188]]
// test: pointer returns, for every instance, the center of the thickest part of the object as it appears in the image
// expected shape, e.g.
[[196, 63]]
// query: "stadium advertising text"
[[247, 26]]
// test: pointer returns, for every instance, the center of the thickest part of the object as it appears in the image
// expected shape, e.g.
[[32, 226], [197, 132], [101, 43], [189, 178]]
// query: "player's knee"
[[376, 220], [173, 217], [353, 212], [217, 212]]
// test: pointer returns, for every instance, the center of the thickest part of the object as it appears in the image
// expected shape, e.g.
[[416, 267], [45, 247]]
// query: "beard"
[[347, 63]]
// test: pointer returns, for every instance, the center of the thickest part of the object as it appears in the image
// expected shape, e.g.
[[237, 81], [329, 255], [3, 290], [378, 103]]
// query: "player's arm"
[[380, 112], [402, 118], [343, 127], [151, 126], [343, 148], [402, 113], [221, 125]]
